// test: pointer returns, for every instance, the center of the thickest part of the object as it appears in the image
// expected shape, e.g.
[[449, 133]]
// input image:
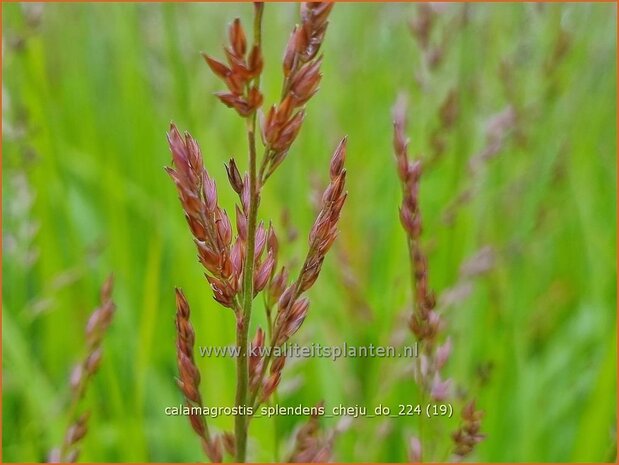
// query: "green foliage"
[[88, 92]]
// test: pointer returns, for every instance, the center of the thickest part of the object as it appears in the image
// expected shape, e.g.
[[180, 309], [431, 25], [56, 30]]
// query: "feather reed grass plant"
[[513, 117], [242, 265]]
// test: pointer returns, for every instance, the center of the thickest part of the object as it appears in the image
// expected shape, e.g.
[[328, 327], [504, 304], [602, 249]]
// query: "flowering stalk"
[[292, 307], [189, 378], [425, 321], [81, 375], [301, 67], [238, 268], [248, 278]]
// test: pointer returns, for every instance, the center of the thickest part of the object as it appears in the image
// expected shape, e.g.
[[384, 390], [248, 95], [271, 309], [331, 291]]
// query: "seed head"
[[311, 445], [209, 224], [82, 372], [239, 72], [468, 435], [189, 377]]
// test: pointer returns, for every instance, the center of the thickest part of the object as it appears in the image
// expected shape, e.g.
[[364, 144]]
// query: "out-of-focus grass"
[[88, 92]]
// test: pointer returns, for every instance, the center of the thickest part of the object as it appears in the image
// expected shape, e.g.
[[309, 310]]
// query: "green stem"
[[243, 324], [241, 421]]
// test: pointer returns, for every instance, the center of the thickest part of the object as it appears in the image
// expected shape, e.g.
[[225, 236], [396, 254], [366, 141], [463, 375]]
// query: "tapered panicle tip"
[[339, 156], [237, 38], [106, 289], [176, 143], [181, 303], [234, 176], [173, 133]]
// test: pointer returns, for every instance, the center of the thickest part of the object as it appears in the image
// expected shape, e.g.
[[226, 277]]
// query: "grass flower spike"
[[81, 375], [241, 264]]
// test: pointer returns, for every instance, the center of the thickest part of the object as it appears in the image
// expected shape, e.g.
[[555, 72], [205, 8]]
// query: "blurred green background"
[[527, 169]]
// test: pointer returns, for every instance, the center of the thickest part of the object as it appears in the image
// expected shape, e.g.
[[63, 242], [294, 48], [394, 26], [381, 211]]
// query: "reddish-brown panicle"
[[209, 224], [238, 74], [189, 377]]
